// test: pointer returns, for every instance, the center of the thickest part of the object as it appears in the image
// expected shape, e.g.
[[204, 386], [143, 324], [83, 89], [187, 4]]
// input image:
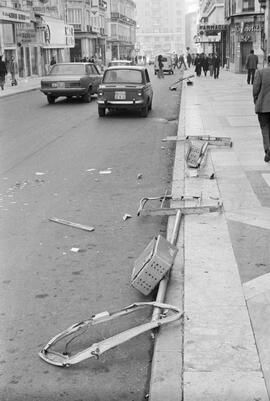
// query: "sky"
[[191, 5]]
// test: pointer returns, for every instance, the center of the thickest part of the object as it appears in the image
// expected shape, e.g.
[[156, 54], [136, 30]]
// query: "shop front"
[[212, 39], [245, 34], [10, 21]]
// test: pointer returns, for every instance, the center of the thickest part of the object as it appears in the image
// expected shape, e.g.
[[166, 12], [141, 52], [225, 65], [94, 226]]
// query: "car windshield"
[[67, 69], [119, 76]]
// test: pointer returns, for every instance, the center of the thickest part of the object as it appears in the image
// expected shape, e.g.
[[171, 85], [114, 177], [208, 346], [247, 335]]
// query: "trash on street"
[[71, 224]]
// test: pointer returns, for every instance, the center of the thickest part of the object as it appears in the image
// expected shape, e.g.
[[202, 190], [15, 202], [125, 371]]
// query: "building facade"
[[212, 30], [32, 32], [160, 27], [191, 31], [121, 29], [246, 31], [88, 20]]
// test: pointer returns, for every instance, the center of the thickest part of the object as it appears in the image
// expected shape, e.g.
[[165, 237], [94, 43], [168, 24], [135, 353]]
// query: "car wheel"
[[88, 96], [101, 111], [144, 111], [51, 99], [155, 72], [150, 105]]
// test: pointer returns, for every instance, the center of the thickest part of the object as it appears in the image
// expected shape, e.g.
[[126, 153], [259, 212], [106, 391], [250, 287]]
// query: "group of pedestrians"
[[204, 63]]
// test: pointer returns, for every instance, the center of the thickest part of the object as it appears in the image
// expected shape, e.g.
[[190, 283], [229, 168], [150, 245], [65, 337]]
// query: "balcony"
[[122, 18]]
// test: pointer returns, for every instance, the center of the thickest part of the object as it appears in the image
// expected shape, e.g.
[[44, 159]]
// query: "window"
[[248, 5]]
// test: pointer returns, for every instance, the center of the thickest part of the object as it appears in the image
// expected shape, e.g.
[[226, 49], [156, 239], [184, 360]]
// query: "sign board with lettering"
[[13, 15], [26, 33]]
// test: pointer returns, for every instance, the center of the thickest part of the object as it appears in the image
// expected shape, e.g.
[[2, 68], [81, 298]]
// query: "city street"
[[63, 161]]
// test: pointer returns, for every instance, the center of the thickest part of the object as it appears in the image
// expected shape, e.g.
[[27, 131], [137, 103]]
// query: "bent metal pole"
[[162, 288]]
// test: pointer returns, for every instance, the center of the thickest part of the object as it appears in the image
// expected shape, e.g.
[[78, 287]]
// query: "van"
[[167, 64]]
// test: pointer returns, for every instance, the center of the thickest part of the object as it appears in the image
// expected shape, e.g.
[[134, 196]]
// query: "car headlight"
[[139, 93], [100, 93]]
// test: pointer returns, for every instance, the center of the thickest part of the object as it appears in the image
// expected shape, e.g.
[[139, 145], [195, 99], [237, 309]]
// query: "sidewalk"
[[221, 350], [24, 85]]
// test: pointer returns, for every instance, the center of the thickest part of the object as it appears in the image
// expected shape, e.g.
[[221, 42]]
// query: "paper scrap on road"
[[39, 173], [127, 216], [71, 224], [90, 170], [75, 249], [105, 172]]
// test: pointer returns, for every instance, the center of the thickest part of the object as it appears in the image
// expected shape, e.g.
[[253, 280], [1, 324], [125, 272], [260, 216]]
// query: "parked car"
[[114, 63], [71, 79], [167, 64], [126, 87]]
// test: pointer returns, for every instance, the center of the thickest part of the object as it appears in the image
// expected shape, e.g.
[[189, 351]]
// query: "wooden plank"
[[71, 224]]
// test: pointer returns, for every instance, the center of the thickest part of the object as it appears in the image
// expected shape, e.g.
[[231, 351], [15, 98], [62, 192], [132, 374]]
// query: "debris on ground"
[[126, 216], [74, 249], [71, 224], [139, 176], [105, 172]]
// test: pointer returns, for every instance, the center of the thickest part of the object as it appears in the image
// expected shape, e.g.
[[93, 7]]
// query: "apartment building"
[[160, 27], [245, 19], [33, 31], [121, 29]]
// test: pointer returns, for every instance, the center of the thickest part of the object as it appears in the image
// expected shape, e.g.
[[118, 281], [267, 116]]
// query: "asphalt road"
[[52, 159]]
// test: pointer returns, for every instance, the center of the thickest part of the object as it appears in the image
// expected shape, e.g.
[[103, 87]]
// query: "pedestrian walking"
[[210, 63], [205, 64], [3, 73], [189, 60], [216, 65], [181, 61], [13, 69], [198, 65], [160, 67], [261, 96], [251, 65]]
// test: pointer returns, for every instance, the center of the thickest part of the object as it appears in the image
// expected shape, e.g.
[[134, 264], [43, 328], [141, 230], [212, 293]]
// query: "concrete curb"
[[19, 92], [167, 363]]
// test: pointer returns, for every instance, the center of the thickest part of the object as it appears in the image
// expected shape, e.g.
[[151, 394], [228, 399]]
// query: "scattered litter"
[[105, 172], [127, 216], [162, 147], [139, 176], [212, 176], [39, 173], [69, 223], [73, 249], [90, 170]]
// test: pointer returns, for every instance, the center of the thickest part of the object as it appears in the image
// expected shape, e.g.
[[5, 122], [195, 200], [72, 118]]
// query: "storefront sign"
[[26, 33], [210, 28], [48, 10], [10, 14], [242, 28]]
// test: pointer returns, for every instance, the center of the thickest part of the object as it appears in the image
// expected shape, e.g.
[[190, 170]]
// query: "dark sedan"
[[71, 79], [125, 87]]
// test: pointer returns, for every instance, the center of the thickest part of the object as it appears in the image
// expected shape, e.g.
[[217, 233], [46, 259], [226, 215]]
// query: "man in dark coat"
[[3, 73], [216, 65], [251, 65], [261, 96]]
